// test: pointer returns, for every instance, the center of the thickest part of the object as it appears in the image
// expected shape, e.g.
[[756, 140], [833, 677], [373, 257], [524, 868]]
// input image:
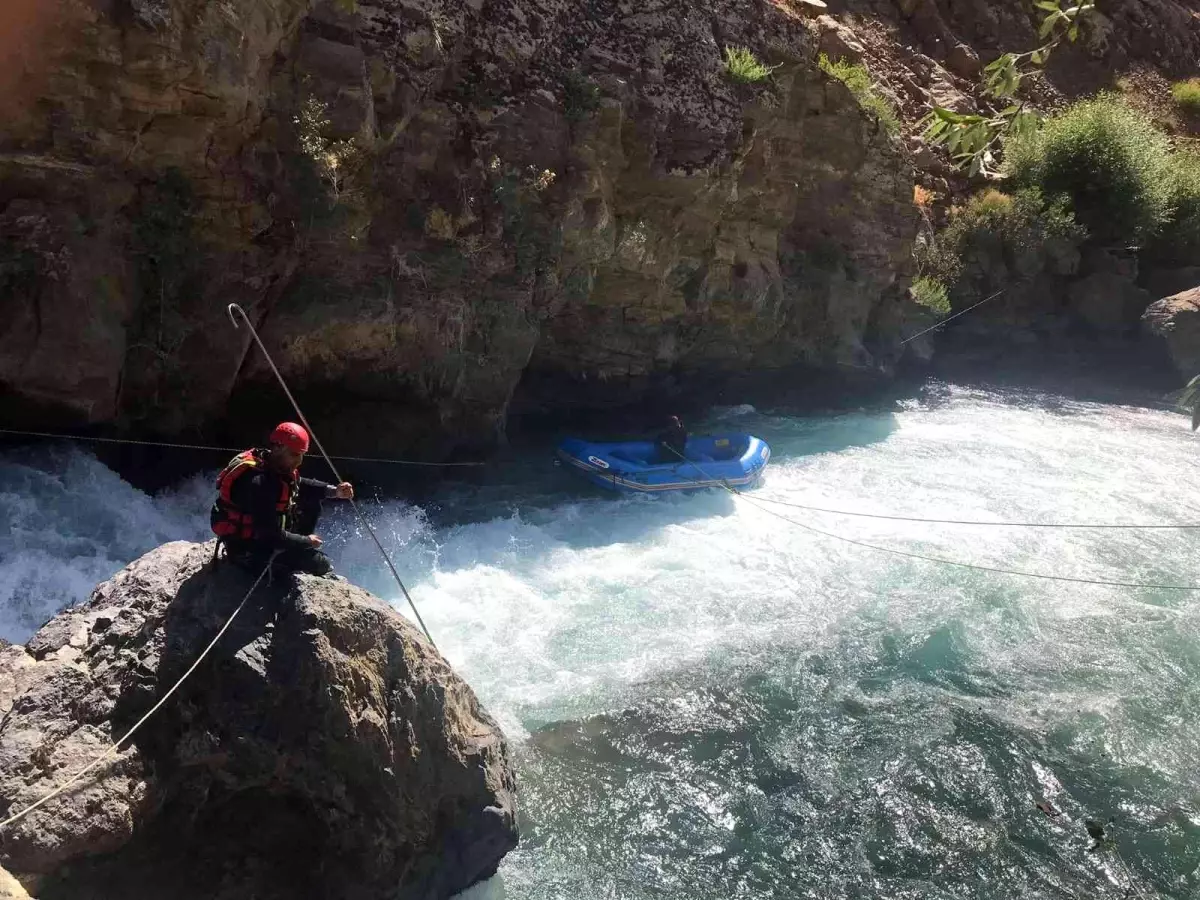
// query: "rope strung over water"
[[116, 748], [233, 307], [208, 447], [952, 318], [893, 518], [935, 559]]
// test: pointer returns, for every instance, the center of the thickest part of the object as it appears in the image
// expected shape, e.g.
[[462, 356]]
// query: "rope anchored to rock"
[[116, 747], [234, 308]]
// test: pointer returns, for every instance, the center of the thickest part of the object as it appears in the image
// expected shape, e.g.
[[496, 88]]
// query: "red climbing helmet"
[[292, 436]]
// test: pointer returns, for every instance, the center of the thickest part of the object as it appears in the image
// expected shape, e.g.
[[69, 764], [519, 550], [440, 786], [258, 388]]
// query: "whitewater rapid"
[[708, 701]]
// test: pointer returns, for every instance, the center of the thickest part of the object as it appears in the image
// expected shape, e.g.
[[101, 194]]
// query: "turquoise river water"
[[706, 701]]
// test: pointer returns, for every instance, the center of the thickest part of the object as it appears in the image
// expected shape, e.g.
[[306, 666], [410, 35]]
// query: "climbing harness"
[[232, 308], [115, 748], [894, 518], [49, 435], [937, 559], [230, 522]]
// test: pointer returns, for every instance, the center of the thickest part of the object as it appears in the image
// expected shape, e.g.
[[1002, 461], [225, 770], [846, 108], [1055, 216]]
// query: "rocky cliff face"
[[423, 203], [323, 749]]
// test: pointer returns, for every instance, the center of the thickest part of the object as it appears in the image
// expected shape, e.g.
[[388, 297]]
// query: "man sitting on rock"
[[264, 507]]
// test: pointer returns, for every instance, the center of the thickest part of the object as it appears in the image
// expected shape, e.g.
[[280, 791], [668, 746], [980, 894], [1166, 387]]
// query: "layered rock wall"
[[423, 203]]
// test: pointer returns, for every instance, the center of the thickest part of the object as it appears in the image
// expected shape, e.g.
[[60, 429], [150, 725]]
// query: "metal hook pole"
[[235, 308]]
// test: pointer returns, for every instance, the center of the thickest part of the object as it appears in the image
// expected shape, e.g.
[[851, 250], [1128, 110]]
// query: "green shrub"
[[1187, 95], [1179, 241], [862, 86], [1107, 160], [998, 237], [581, 97], [743, 66], [931, 293]]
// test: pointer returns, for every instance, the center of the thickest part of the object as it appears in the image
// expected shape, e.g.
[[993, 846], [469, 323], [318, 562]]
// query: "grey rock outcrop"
[[324, 748], [1176, 319]]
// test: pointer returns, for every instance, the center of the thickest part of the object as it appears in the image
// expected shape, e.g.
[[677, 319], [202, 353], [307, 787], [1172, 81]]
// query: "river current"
[[707, 701]]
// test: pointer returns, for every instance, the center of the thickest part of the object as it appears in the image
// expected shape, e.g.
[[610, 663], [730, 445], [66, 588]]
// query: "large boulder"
[[1176, 319], [324, 748]]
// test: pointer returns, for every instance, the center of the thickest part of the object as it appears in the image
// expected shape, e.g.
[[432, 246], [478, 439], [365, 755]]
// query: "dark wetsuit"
[[671, 445], [257, 492]]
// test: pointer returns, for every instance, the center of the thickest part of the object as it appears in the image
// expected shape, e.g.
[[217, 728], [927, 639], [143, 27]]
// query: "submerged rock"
[[324, 748]]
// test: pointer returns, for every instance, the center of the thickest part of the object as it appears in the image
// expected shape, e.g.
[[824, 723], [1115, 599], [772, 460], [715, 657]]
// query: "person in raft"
[[671, 445], [263, 506]]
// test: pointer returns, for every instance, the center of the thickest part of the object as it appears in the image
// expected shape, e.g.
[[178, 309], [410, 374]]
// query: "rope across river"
[[936, 559], [50, 435], [235, 309], [1133, 526], [116, 747]]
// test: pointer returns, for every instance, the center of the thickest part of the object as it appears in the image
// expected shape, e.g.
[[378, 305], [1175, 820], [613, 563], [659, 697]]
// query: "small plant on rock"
[[334, 160], [858, 79], [743, 66], [581, 97], [1187, 95], [931, 293]]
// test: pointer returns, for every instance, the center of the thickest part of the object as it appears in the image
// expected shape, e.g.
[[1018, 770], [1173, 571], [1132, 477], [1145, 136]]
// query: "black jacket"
[[671, 444], [258, 491]]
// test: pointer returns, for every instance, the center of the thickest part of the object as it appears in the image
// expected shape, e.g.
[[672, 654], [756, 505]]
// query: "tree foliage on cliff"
[[930, 293], [581, 97], [334, 160], [973, 140], [1110, 163], [1179, 241], [998, 236]]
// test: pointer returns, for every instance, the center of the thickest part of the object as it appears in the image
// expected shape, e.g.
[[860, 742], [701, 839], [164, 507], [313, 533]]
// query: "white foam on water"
[[555, 613], [70, 523], [569, 607]]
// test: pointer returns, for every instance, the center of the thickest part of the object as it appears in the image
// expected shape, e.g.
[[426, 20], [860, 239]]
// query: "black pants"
[[666, 453], [309, 560]]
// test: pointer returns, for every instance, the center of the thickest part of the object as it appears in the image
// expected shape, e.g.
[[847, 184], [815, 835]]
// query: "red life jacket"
[[228, 521]]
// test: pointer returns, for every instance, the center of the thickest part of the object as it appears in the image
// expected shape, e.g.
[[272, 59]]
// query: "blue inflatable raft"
[[737, 460]]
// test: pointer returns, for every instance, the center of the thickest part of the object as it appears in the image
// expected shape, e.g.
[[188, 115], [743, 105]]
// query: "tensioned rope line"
[[108, 440], [357, 511], [894, 518], [937, 559], [115, 748], [975, 566], [953, 317]]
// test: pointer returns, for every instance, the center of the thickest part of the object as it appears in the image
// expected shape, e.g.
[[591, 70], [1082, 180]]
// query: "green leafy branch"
[[972, 139]]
